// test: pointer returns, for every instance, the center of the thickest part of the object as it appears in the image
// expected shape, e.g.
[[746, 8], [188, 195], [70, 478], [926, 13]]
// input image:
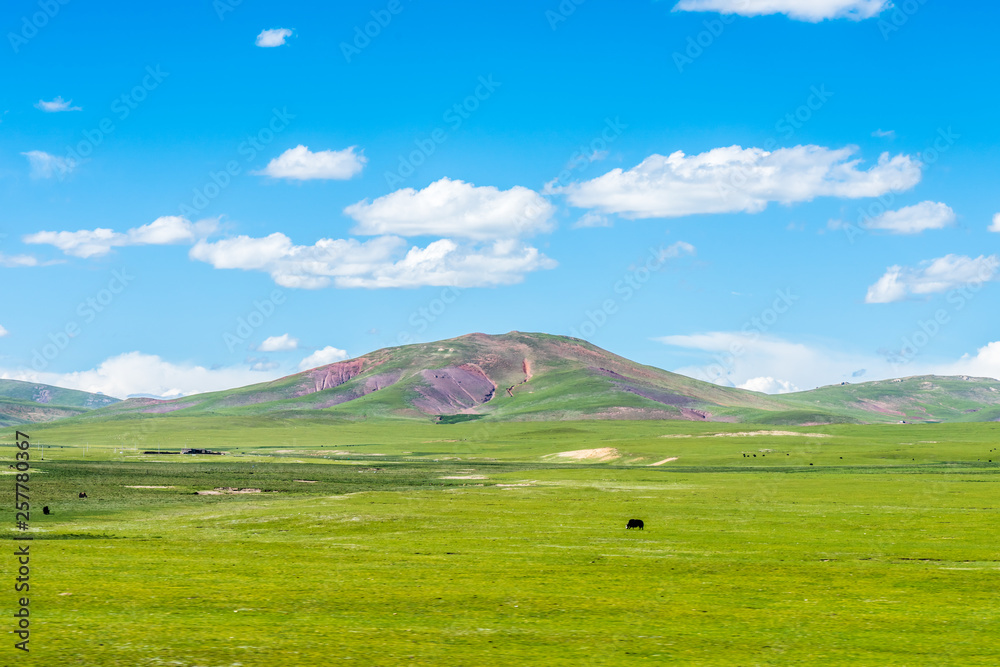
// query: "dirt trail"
[[659, 463]]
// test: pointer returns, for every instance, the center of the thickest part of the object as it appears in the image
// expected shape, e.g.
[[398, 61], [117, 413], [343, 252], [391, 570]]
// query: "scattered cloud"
[[273, 37], [812, 11], [19, 261], [995, 227], [328, 355], [736, 179], [914, 219], [985, 363], [262, 365], [135, 373], [678, 249], [884, 134], [56, 105], [768, 385], [301, 164], [381, 262], [3, 331], [455, 209], [592, 219], [46, 165], [775, 365], [280, 343], [166, 230], [932, 277]]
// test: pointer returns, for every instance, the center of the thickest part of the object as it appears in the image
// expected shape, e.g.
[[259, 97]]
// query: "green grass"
[[466, 544]]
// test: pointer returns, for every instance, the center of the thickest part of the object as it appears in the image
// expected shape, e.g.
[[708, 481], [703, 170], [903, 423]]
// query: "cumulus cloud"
[[769, 385], [455, 209], [812, 11], [328, 355], [3, 331], [914, 219], [774, 365], [995, 227], [932, 277], [45, 165], [301, 164], [166, 230], [985, 363], [736, 179], [56, 105], [135, 373], [279, 344], [380, 262], [273, 37]]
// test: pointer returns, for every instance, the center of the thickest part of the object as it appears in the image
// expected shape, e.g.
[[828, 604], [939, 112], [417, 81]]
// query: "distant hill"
[[515, 376], [532, 376], [920, 398], [28, 403]]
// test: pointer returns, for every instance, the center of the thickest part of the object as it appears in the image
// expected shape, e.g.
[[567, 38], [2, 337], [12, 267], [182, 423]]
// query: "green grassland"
[[408, 543]]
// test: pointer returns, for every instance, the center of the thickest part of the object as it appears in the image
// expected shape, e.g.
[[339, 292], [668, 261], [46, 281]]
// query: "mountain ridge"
[[534, 376]]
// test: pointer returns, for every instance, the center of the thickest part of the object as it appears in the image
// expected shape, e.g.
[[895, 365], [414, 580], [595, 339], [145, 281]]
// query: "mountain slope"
[[512, 376], [918, 398], [529, 376], [28, 402]]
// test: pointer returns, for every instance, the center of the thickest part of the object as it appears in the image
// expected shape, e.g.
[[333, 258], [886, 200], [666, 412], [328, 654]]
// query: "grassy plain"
[[469, 544]]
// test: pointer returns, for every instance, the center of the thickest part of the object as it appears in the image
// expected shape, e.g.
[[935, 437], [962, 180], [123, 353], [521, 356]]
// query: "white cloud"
[[166, 230], [768, 385], [774, 365], [985, 363], [377, 263], [884, 134], [995, 227], [932, 277], [802, 10], [455, 209], [273, 37], [18, 261], [734, 179], [677, 249], [3, 331], [45, 165], [592, 219], [914, 219], [279, 344], [56, 105], [328, 355], [301, 164], [136, 373]]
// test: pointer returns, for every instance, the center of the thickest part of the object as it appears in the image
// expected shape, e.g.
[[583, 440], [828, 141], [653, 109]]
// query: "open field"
[[470, 544]]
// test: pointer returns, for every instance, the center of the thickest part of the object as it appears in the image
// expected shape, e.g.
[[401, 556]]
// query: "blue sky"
[[774, 194]]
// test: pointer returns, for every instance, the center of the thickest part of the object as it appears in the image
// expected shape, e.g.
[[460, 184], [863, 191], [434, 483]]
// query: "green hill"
[[515, 376], [28, 402], [540, 377]]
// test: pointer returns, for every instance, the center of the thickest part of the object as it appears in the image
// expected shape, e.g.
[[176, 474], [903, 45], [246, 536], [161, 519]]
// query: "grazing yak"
[[83, 494], [634, 523], [45, 510]]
